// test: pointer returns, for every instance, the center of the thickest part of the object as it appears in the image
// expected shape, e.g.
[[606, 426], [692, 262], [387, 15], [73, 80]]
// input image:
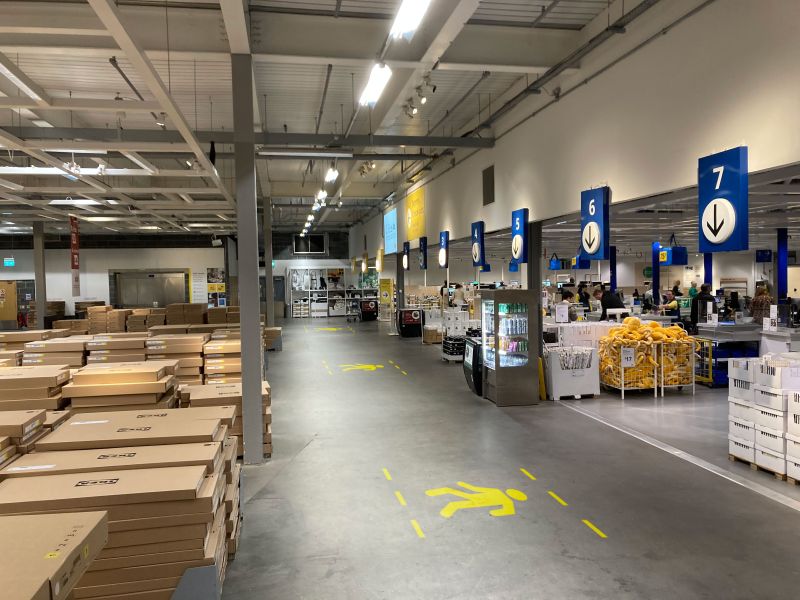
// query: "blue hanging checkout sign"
[[519, 236], [406, 252], [723, 206], [423, 253], [444, 248], [478, 251], [595, 223]]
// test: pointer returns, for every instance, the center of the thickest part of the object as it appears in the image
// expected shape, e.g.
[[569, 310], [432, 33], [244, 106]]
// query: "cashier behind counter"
[[607, 300]]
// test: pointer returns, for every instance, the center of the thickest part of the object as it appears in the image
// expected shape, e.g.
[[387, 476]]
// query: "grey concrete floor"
[[323, 521]]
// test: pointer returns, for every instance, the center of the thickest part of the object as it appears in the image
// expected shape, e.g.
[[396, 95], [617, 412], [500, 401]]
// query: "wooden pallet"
[[792, 481], [755, 467]]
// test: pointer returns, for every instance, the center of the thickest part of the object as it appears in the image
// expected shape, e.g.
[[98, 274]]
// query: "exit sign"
[[9, 262]]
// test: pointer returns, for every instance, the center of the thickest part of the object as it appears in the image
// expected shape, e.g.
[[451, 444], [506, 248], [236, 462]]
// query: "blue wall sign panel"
[[423, 253], [390, 232], [406, 252], [444, 248], [673, 256], [519, 236], [478, 251], [763, 256], [595, 223], [722, 181]]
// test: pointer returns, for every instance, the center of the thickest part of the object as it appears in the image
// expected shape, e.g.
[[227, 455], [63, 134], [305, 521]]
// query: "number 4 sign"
[[723, 203]]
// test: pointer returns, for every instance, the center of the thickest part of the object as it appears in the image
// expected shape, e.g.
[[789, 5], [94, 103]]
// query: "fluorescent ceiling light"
[[112, 201], [378, 78], [41, 123], [307, 152], [331, 175], [408, 18], [321, 195], [76, 151], [223, 217], [149, 227], [74, 202], [101, 219], [203, 225]]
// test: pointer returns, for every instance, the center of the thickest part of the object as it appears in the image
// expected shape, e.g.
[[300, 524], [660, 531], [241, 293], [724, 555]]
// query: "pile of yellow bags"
[[676, 349]]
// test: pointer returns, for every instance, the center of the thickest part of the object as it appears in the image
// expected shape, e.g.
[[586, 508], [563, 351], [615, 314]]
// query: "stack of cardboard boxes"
[[26, 388], [117, 320], [70, 351], [230, 394], [51, 553], [105, 349], [187, 349], [270, 336], [121, 386], [98, 319], [75, 326], [222, 361], [19, 431], [16, 340], [53, 419], [11, 358], [167, 329], [186, 313], [137, 320], [233, 315], [166, 478], [218, 315]]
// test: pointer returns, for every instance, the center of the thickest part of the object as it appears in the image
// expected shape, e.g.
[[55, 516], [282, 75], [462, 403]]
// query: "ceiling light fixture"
[[426, 81], [101, 219], [421, 95], [409, 16], [331, 175], [321, 195], [41, 123], [378, 78], [68, 201], [149, 227], [307, 152], [310, 218]]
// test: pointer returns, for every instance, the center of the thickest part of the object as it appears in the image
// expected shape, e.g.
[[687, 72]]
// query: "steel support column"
[[269, 291], [39, 274], [708, 269], [247, 222], [656, 265], [399, 281], [535, 285]]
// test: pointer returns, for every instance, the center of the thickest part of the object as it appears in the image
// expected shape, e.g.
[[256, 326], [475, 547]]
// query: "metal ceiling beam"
[[133, 139], [27, 85], [109, 15], [80, 104]]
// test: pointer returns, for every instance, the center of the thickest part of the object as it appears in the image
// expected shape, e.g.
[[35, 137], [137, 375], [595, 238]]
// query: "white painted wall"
[[96, 263], [728, 75]]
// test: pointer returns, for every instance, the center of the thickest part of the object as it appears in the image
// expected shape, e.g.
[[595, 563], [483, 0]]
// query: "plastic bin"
[[740, 388], [741, 449], [778, 374], [770, 438], [742, 429], [769, 417], [771, 460], [742, 369], [771, 398], [741, 409]]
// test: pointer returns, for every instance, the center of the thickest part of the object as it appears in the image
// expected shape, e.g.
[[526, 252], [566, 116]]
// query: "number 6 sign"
[[595, 223]]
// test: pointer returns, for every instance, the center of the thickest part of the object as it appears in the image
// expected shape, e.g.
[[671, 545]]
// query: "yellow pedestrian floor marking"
[[400, 498], [479, 497], [592, 526], [404, 373], [387, 474], [528, 475], [330, 328], [557, 498], [360, 367], [396, 366], [391, 362], [417, 528]]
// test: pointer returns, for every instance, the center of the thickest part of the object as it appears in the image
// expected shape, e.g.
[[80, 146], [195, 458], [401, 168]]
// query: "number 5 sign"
[[723, 203], [595, 224]]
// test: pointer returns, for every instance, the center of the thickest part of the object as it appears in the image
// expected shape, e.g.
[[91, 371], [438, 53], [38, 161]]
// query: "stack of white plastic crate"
[[742, 409]]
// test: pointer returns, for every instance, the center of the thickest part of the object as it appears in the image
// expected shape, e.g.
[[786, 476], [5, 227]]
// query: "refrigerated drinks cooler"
[[510, 375]]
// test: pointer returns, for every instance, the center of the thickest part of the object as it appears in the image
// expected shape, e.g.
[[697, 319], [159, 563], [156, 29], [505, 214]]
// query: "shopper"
[[459, 298], [759, 307], [676, 289], [670, 306], [568, 297], [700, 305], [583, 296], [693, 290], [607, 300]]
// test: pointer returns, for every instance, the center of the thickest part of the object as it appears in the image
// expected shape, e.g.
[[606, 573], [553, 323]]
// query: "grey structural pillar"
[[535, 285], [269, 290], [39, 274], [400, 281], [247, 225]]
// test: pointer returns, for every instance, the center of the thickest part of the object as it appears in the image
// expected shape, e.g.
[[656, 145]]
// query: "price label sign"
[[723, 204], [562, 313], [628, 357], [595, 223]]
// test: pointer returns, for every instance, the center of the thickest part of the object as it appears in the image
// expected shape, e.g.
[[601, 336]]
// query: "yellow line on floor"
[[397, 366], [528, 475], [557, 498], [404, 373], [400, 498], [391, 362], [387, 474], [417, 528], [592, 526]]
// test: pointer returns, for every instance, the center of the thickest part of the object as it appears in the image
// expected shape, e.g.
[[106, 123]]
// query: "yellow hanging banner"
[[379, 261], [415, 214], [386, 291]]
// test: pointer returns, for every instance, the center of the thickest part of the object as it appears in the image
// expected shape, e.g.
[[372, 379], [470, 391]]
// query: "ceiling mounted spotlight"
[[161, 121], [410, 110], [426, 80], [421, 95], [332, 174], [316, 207], [321, 195], [372, 165]]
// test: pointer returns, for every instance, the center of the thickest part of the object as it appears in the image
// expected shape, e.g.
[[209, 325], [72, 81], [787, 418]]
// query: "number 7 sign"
[[723, 209]]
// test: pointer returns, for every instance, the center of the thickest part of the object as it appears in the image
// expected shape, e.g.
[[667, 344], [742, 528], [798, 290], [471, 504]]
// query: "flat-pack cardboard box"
[[207, 455], [69, 359], [116, 400], [20, 423], [169, 402], [55, 418], [50, 553], [115, 373], [29, 335], [95, 358], [69, 344], [50, 403], [74, 390], [15, 378], [99, 489], [125, 343], [223, 347], [85, 431]]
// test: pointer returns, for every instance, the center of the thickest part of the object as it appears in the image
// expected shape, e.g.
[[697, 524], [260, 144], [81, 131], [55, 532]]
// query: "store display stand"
[[572, 383]]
